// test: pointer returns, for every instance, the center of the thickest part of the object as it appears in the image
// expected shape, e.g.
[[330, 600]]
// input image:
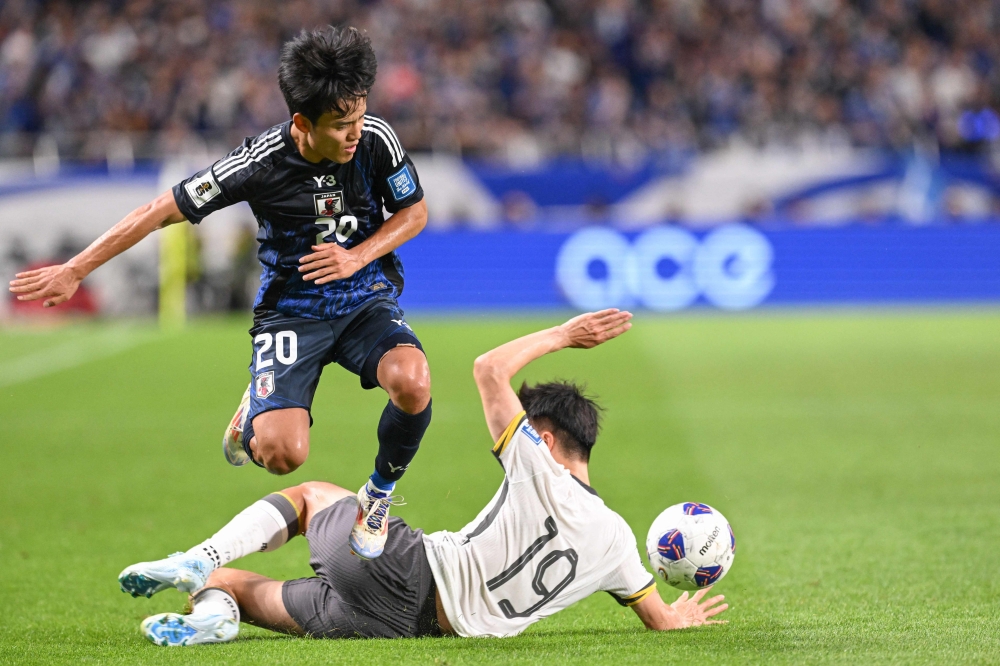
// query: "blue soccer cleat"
[[187, 573], [371, 527], [232, 439], [174, 629]]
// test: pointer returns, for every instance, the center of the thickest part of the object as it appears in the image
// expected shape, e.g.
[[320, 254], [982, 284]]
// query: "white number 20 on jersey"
[[343, 229], [283, 339]]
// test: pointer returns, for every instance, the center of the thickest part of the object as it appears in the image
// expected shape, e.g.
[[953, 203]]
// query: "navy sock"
[[399, 436]]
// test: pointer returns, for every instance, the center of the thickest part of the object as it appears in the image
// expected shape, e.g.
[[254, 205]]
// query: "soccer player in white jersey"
[[544, 542]]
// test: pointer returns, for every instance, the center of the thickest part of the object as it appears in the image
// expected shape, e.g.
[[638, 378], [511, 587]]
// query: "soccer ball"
[[691, 545]]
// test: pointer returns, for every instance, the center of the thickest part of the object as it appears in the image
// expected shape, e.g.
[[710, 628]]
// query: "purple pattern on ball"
[[671, 545], [696, 509], [705, 576]]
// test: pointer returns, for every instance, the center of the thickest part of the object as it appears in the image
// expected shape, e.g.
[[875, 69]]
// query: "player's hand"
[[329, 262], [694, 612], [56, 284], [591, 329]]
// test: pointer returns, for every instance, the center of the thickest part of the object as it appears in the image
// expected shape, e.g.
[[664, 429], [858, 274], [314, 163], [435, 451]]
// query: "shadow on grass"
[[272, 637], [582, 632]]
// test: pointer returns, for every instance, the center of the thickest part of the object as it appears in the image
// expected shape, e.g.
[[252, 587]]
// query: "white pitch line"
[[69, 355]]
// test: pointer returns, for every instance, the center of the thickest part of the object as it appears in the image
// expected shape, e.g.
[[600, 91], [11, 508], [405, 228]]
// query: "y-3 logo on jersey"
[[324, 181]]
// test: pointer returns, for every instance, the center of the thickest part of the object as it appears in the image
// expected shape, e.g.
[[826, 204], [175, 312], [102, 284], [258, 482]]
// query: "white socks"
[[265, 525], [214, 601]]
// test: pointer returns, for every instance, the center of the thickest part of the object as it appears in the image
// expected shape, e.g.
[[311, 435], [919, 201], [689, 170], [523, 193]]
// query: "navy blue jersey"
[[299, 204]]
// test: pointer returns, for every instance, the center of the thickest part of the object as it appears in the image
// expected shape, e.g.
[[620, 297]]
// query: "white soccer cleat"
[[174, 629], [232, 440], [188, 573], [371, 527]]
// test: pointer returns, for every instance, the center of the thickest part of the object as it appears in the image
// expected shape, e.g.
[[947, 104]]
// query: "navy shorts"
[[289, 353]]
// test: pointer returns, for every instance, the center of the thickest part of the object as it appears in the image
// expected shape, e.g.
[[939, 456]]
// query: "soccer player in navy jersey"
[[317, 185]]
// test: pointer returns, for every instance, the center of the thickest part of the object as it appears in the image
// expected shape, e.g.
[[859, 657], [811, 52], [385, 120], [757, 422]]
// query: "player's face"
[[336, 137]]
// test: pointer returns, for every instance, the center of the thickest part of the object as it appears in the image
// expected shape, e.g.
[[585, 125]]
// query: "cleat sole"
[[173, 630], [362, 553], [140, 586], [148, 578]]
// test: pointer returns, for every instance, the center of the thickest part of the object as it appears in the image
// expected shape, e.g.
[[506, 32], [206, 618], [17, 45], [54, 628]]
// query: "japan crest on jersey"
[[329, 204], [265, 384]]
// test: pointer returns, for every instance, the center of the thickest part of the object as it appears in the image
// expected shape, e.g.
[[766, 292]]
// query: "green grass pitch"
[[856, 454]]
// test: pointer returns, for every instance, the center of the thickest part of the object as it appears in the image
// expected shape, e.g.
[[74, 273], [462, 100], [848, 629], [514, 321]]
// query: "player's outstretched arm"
[[57, 284], [494, 369], [685, 612]]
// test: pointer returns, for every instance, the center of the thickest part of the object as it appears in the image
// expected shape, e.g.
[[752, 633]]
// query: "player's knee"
[[283, 455], [312, 497], [409, 384]]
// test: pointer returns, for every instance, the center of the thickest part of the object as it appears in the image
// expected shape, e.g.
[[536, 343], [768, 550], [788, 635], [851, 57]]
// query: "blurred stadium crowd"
[[522, 79]]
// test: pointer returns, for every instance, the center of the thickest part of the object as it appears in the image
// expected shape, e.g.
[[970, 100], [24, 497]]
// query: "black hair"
[[561, 406], [328, 69]]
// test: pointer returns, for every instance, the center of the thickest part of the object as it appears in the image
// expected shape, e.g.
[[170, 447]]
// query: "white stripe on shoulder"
[[392, 149], [236, 166], [254, 149], [254, 146], [245, 160], [242, 165], [385, 125], [378, 122], [257, 142]]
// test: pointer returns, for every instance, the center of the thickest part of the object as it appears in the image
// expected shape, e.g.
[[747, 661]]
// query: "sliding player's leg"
[[258, 599], [228, 596], [265, 525]]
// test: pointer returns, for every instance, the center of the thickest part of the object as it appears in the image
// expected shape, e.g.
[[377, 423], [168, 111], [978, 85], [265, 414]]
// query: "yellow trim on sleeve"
[[633, 599], [508, 434], [298, 514]]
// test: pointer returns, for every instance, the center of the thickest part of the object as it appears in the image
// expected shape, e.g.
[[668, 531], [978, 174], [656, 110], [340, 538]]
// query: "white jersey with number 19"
[[544, 542]]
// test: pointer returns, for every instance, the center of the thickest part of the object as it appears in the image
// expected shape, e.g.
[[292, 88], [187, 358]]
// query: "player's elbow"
[[162, 211], [485, 371], [420, 216]]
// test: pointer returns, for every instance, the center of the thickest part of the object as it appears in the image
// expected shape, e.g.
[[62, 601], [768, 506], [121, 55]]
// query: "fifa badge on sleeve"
[[401, 183]]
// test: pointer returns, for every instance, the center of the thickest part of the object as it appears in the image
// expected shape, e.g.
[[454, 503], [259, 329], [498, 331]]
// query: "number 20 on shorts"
[[281, 341]]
